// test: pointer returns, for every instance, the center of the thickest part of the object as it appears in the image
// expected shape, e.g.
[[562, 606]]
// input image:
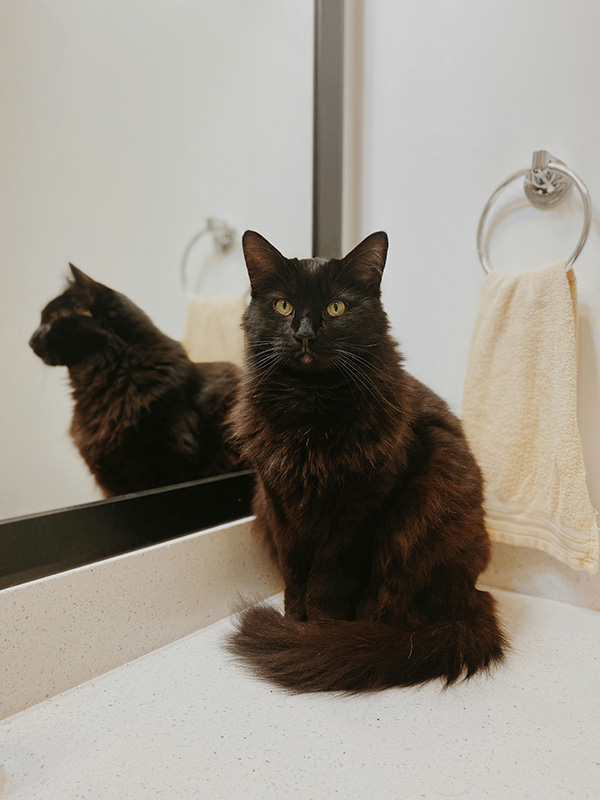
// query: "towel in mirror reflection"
[[212, 328]]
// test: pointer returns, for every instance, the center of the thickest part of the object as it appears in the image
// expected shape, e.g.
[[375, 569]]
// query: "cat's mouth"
[[49, 359], [40, 348], [308, 361], [46, 356], [304, 354]]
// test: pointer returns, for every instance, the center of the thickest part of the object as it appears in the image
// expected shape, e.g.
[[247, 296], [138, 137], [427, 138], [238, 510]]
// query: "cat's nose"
[[305, 332], [38, 335], [305, 338]]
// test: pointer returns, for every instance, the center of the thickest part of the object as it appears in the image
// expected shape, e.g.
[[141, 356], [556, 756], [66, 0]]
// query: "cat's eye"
[[284, 307], [336, 309]]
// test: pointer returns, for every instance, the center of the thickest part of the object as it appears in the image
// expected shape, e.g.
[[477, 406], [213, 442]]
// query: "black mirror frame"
[[39, 545], [44, 544]]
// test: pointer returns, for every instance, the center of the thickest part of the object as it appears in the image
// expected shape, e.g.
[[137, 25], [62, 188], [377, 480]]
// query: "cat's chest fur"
[[312, 460]]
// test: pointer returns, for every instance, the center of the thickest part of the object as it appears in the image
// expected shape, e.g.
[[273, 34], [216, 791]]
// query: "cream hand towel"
[[212, 328], [520, 415]]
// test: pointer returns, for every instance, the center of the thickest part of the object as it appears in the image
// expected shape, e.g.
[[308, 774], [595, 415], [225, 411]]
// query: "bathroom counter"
[[185, 722]]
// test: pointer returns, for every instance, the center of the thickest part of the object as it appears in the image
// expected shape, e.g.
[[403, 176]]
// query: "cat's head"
[[87, 318], [314, 315]]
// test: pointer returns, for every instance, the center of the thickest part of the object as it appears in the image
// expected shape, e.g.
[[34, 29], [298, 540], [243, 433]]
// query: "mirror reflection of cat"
[[144, 414]]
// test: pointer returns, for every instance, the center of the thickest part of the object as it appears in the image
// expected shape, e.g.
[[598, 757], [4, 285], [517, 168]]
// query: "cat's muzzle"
[[38, 345]]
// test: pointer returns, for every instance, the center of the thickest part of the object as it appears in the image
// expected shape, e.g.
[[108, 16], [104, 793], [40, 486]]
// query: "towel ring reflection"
[[224, 237], [546, 183]]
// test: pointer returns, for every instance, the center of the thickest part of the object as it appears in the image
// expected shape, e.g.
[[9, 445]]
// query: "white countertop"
[[184, 722]]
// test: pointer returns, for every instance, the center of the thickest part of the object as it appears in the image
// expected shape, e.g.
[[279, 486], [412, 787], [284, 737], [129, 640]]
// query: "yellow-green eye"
[[284, 308], [336, 309]]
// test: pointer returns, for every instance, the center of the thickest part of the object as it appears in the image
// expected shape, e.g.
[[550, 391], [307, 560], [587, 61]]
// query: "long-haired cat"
[[144, 415], [367, 493]]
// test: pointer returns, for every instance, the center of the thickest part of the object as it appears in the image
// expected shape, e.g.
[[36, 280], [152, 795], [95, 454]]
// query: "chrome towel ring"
[[546, 183], [224, 237]]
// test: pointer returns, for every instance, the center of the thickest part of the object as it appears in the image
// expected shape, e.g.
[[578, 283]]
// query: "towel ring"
[[223, 239], [546, 183]]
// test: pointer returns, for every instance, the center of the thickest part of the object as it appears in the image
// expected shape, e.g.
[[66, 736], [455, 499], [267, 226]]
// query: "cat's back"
[[440, 447], [429, 409], [218, 383]]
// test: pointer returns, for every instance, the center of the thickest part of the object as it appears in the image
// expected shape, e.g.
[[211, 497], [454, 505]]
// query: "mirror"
[[126, 126]]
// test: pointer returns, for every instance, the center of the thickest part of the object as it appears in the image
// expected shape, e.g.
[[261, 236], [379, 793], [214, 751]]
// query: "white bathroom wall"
[[446, 101], [125, 123]]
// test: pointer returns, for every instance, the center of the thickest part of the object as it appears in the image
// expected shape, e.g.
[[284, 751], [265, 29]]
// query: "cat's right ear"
[[262, 259]]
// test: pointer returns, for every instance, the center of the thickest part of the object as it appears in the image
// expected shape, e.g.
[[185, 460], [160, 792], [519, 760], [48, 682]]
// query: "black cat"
[[145, 416], [368, 496]]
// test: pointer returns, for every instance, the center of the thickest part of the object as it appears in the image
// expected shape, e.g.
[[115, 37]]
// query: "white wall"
[[453, 98], [124, 124]]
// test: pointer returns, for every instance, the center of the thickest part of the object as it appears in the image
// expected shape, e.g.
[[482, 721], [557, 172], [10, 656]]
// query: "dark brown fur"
[[367, 494], [144, 415]]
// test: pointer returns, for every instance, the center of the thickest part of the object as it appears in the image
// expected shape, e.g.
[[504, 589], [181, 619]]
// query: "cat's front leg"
[[294, 603], [285, 552], [330, 595], [294, 567], [336, 582]]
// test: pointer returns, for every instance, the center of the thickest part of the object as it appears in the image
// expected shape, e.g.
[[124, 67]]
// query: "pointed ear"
[[80, 277], [85, 286], [367, 260], [262, 259]]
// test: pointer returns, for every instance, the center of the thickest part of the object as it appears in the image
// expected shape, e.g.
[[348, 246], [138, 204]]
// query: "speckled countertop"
[[184, 722]]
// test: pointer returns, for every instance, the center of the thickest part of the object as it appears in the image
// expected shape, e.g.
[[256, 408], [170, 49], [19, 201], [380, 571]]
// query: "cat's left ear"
[[367, 260], [262, 259], [80, 277], [86, 287]]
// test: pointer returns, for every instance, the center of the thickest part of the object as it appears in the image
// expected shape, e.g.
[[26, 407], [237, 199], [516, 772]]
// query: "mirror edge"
[[40, 545]]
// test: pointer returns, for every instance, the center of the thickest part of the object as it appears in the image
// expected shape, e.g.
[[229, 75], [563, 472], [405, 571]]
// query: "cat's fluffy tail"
[[363, 656]]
